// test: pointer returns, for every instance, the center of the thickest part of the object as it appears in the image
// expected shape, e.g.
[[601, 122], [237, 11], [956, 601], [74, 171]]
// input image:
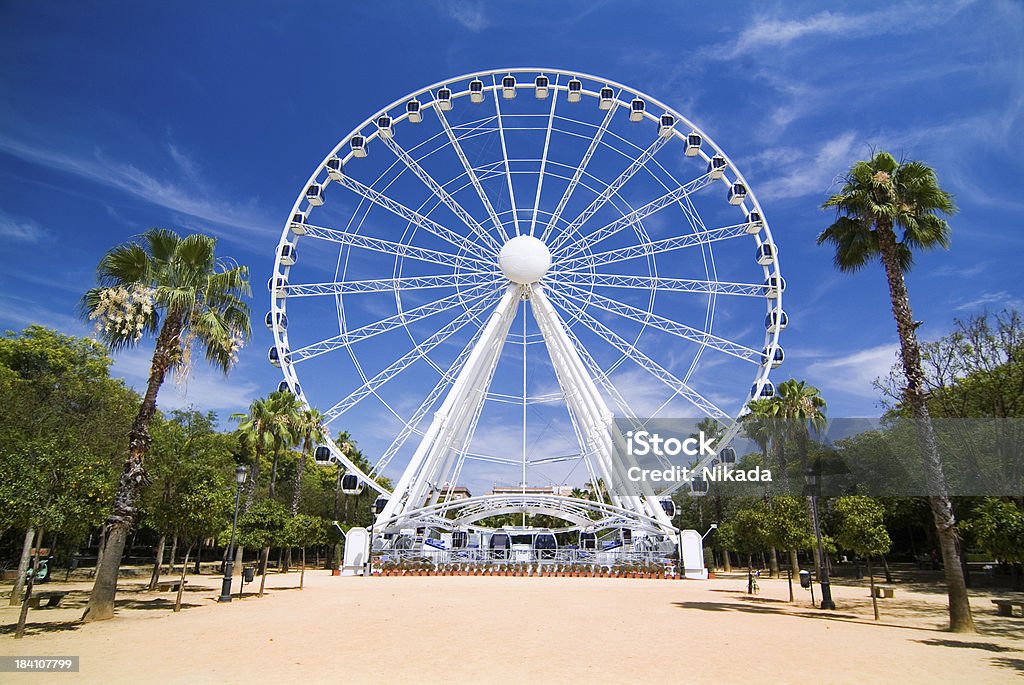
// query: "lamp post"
[[225, 590], [811, 478]]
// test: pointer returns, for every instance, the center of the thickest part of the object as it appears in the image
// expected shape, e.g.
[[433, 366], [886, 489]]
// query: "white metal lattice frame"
[[464, 254]]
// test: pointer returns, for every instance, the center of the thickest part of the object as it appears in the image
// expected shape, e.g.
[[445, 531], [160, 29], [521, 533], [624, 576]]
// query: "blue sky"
[[211, 116]]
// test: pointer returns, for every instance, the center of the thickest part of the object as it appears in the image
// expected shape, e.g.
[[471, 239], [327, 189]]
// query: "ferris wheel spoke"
[[372, 385], [471, 173], [609, 191], [582, 167], [543, 161], [508, 168], [394, 249], [677, 386], [439, 191], [661, 323], [670, 198], [349, 338], [377, 285], [447, 378], [683, 285], [655, 247], [443, 232]]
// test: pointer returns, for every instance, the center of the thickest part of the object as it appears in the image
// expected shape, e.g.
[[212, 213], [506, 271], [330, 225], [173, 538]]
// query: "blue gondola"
[[358, 144], [385, 127], [279, 318], [666, 125], [508, 87], [717, 166], [315, 195], [766, 253], [636, 110], [727, 455], [774, 285], [322, 454], [476, 91], [288, 254], [668, 506], [414, 110], [335, 169], [444, 99], [575, 90], [606, 98], [774, 355], [693, 143], [775, 321], [737, 193], [767, 390]]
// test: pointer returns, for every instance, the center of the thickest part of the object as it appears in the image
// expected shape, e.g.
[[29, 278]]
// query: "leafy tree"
[[998, 526], [186, 447], [178, 290], [879, 198], [787, 527], [61, 430], [862, 529], [302, 531], [263, 527]]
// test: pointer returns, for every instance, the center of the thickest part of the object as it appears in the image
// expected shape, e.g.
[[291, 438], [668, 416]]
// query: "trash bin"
[[248, 573], [805, 579]]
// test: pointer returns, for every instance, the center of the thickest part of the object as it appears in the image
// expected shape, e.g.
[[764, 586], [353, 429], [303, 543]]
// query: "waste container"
[[248, 573], [805, 579]]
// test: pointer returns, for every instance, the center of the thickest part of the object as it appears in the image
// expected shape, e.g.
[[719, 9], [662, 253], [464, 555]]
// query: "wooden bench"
[[1004, 607], [169, 586], [884, 591], [52, 597]]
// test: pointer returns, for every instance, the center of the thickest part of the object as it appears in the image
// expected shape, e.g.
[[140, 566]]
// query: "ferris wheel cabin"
[[776, 321], [414, 110], [444, 99], [636, 110], [717, 166], [288, 254], [358, 144], [298, 223], [666, 125], [540, 87], [278, 318], [322, 454], [606, 98], [476, 91], [575, 90], [693, 143], [508, 87], [334, 169], [754, 222], [351, 485], [385, 127], [775, 355]]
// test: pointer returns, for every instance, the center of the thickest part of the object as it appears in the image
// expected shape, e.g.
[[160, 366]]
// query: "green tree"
[[998, 526], [263, 527], [886, 210], [302, 531], [178, 290], [862, 530], [787, 527], [61, 430]]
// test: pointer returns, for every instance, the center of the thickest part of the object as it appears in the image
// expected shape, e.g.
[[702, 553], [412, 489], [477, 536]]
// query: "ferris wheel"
[[481, 274]]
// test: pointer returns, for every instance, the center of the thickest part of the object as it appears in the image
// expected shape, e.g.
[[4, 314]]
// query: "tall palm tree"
[[801, 408], [309, 430], [177, 289], [886, 210]]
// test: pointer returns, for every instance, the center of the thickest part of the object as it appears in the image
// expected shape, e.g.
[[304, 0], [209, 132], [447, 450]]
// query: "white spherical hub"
[[524, 259]]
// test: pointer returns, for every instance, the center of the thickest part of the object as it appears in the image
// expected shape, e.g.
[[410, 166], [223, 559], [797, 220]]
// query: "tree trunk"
[[794, 561], [789, 577], [133, 476], [726, 561], [154, 579], [960, 619], [816, 555], [302, 572], [773, 563], [287, 565], [174, 553], [273, 476], [199, 557], [263, 577], [26, 559], [236, 570], [888, 573], [19, 632], [99, 550], [181, 581], [871, 581]]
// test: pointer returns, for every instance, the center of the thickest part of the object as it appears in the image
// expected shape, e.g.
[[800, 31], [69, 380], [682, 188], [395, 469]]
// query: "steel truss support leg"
[[449, 429], [589, 408]]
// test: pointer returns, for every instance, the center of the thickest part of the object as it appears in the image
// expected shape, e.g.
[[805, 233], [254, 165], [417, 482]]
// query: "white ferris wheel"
[[478, 277]]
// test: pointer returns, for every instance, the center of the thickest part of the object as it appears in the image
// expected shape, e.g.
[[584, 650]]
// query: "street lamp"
[[225, 590], [811, 478]]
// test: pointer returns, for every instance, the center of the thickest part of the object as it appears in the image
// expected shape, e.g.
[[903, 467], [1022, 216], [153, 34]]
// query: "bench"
[[170, 585], [52, 597], [884, 591], [1004, 607]]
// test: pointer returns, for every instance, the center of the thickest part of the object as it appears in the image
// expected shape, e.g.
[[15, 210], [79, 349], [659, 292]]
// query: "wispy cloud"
[[188, 196], [204, 387], [855, 372], [470, 13], [21, 230], [994, 300], [803, 173], [771, 32]]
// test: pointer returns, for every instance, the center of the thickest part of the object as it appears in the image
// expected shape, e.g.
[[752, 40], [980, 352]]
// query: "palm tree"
[[887, 209], [801, 407], [307, 427], [178, 290]]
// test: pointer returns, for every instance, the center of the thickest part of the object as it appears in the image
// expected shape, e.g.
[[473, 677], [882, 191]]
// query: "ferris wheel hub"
[[524, 259]]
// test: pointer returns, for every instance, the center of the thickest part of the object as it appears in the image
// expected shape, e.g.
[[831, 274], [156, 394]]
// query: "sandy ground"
[[516, 630]]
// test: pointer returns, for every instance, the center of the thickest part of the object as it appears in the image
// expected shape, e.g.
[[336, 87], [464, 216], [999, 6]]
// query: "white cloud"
[[21, 230], [809, 173], [854, 373], [205, 388], [996, 300], [470, 14], [191, 198]]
